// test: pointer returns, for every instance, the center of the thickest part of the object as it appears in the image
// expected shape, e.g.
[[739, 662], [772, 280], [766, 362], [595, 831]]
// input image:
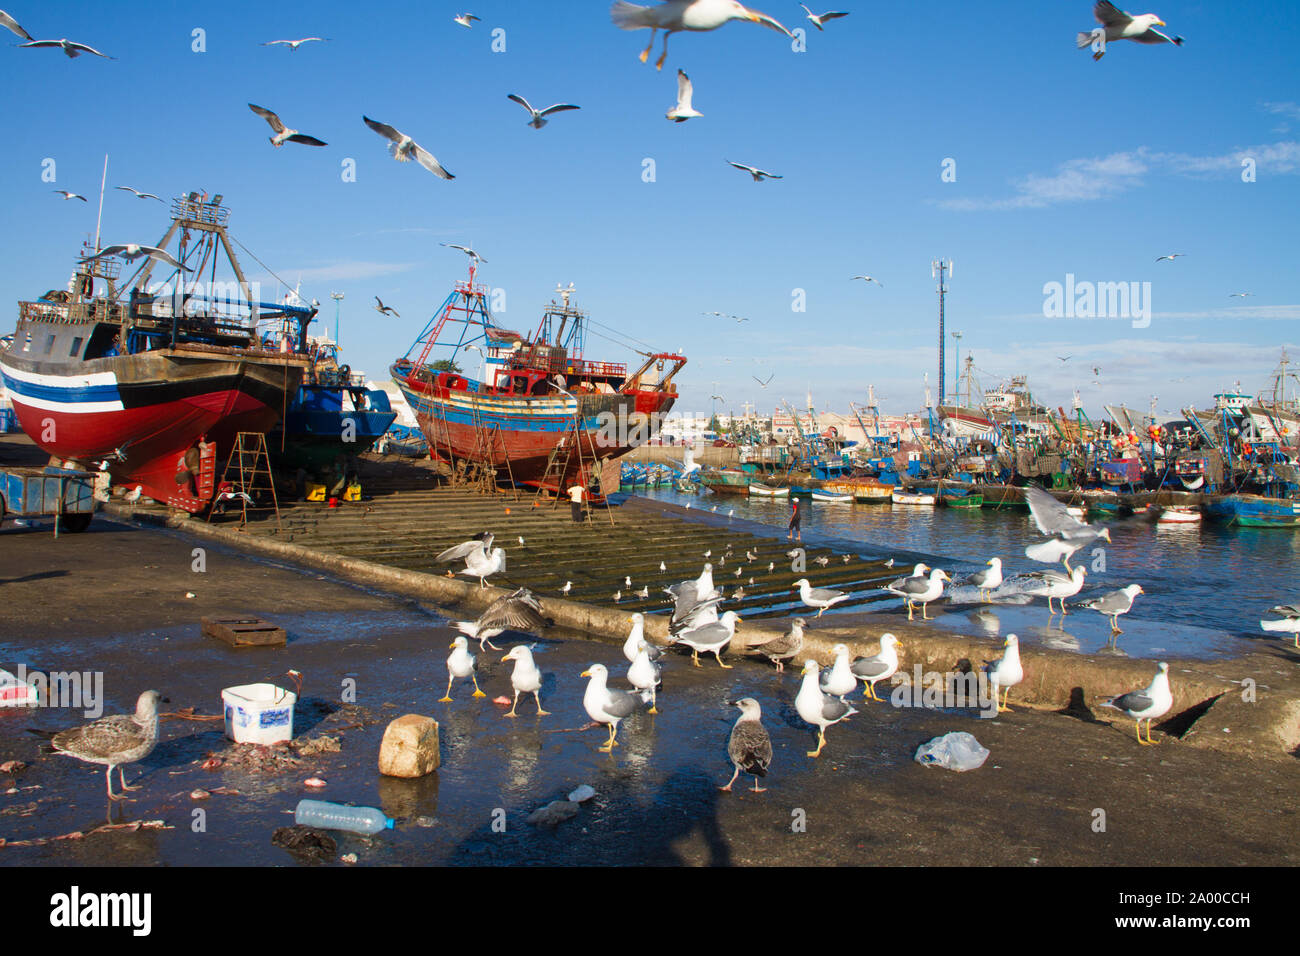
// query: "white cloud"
[[1291, 110]]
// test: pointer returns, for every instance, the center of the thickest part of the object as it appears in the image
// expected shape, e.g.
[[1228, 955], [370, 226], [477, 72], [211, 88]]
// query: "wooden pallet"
[[244, 631]]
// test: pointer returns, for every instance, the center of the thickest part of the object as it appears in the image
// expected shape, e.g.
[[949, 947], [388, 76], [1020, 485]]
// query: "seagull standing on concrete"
[[709, 638], [1150, 703], [920, 590], [1053, 584], [781, 649], [1006, 672], [644, 674], [673, 16], [818, 708], [839, 680], [1289, 623], [820, 598], [749, 747], [882, 666]]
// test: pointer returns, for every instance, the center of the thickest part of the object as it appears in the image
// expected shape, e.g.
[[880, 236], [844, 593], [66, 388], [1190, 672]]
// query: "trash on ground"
[[17, 693], [336, 816], [311, 746], [306, 844], [582, 794], [259, 713], [553, 814], [955, 751], [315, 782]]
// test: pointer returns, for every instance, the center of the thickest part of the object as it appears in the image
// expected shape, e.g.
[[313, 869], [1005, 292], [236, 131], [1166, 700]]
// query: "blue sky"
[[1063, 166]]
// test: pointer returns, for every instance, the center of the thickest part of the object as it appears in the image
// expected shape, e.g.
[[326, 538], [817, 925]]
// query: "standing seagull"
[[606, 705], [636, 637], [820, 598], [839, 680], [920, 590], [460, 663], [1147, 704], [138, 194], [709, 638], [1114, 603], [750, 748], [882, 666], [70, 47], [13, 26], [525, 678], [817, 708], [673, 16], [539, 116], [404, 149], [1053, 584], [781, 649], [115, 740], [1006, 672], [683, 110], [67, 195], [1118, 25], [989, 579], [819, 18], [294, 44], [644, 675], [385, 309], [1289, 623], [282, 133], [758, 174]]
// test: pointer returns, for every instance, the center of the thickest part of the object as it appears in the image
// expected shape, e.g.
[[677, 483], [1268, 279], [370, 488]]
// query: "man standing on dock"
[[576, 494], [795, 517]]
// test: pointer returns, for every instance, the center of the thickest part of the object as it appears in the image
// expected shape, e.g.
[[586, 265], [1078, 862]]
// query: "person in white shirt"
[[576, 495]]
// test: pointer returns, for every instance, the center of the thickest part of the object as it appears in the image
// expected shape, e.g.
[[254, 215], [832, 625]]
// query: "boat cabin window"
[[103, 341], [76, 347], [49, 344]]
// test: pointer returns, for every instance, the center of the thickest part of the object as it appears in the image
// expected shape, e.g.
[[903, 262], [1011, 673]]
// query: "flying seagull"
[[68, 195], [819, 18], [404, 149], [130, 252], [70, 47], [1118, 25], [673, 16], [758, 174], [465, 249], [1172, 257], [519, 611], [1240, 295], [869, 279], [763, 384], [282, 133], [683, 110], [464, 19], [388, 310], [294, 44], [13, 26], [138, 194], [539, 116]]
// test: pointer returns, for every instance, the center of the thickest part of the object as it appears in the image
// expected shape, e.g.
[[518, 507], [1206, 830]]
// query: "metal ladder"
[[250, 458]]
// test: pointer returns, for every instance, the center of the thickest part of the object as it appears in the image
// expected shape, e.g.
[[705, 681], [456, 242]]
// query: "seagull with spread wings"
[[1172, 257], [819, 18], [131, 251], [282, 133], [758, 174], [869, 279], [13, 26], [68, 195], [464, 19], [294, 44], [673, 16], [465, 249], [538, 119], [138, 194], [70, 47], [404, 149], [685, 91], [385, 309], [763, 384], [1118, 25]]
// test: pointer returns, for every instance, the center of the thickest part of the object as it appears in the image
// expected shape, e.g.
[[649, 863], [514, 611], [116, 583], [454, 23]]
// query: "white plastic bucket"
[[259, 713]]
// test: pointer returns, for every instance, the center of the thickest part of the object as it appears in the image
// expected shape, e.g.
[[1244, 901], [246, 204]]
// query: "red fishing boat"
[[540, 412]]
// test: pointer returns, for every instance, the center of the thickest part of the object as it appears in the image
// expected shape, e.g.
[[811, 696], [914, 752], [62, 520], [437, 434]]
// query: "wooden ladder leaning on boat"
[[557, 466]]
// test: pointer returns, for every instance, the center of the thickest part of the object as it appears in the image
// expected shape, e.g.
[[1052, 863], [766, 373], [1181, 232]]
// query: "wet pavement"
[[114, 600]]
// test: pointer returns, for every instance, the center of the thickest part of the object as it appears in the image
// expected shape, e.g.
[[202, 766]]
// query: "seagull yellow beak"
[[585, 674], [1160, 23], [506, 658], [452, 645]]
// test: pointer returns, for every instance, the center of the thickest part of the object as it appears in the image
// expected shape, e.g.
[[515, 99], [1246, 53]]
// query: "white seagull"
[[920, 590], [606, 705], [525, 678], [839, 680], [130, 252], [818, 709], [1053, 584], [1151, 702], [709, 638], [1006, 672], [1118, 25], [460, 663], [758, 174], [882, 666], [1172, 257], [819, 18], [643, 674], [294, 44], [465, 249], [539, 116], [868, 279], [820, 598], [68, 195], [404, 149], [282, 133], [138, 194], [13, 26], [683, 110], [1114, 603], [464, 19], [1289, 623], [988, 580], [673, 16], [70, 47], [519, 611]]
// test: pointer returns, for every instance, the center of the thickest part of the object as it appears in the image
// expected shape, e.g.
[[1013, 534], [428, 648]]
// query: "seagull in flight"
[[1172, 257], [763, 384], [404, 149], [70, 47], [138, 194], [758, 174], [294, 44], [1064, 358], [674, 16], [465, 249], [1240, 295], [385, 309], [68, 195], [539, 116], [1118, 25], [464, 19], [819, 18], [683, 110], [869, 279], [282, 133], [130, 252], [13, 26]]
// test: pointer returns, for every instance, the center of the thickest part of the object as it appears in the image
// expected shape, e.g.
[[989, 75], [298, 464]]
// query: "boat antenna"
[[100, 218]]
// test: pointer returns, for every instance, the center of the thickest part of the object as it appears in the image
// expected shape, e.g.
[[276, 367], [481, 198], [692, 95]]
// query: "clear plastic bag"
[[955, 751]]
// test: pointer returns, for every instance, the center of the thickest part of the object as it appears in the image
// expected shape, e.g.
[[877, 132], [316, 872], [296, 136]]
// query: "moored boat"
[[1178, 514], [768, 491], [832, 498], [900, 497], [1254, 511]]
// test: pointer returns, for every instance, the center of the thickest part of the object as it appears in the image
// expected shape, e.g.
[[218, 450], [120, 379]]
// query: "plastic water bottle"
[[335, 816]]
